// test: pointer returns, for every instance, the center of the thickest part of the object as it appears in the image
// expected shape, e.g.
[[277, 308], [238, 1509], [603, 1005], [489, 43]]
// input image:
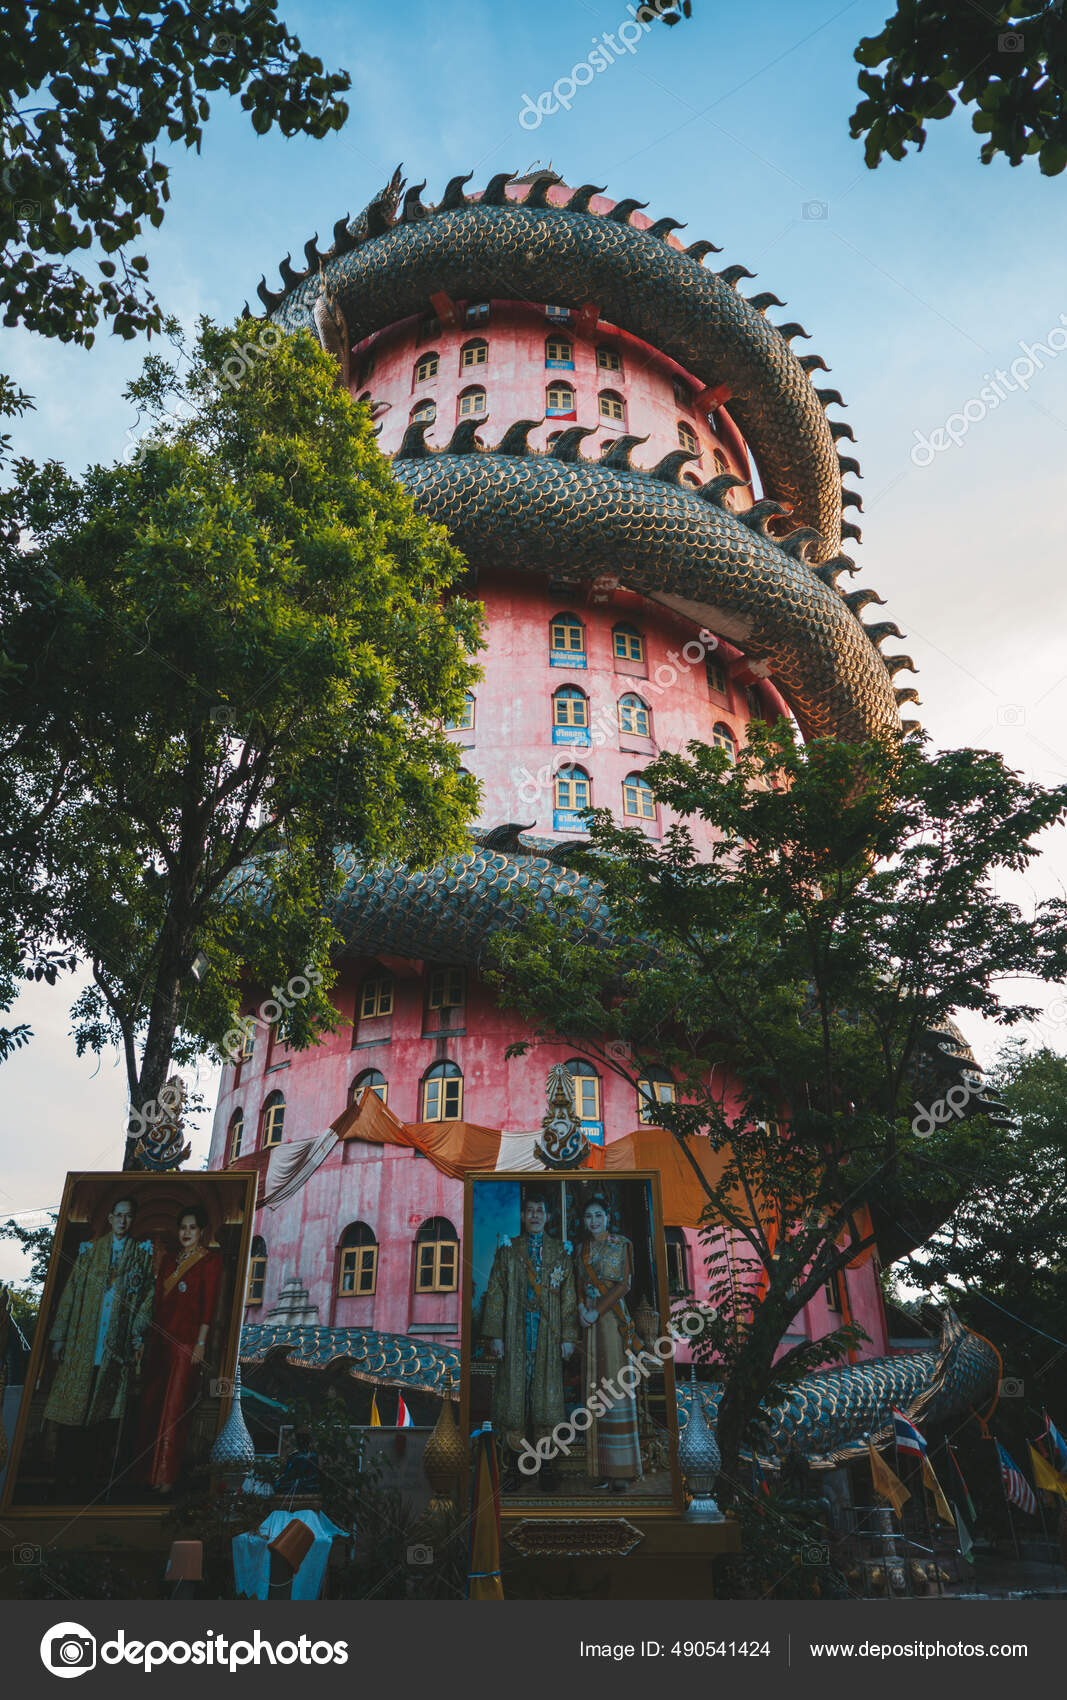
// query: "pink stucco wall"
[[510, 749]]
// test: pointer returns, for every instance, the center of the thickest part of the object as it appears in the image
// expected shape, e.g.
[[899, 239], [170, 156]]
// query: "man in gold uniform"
[[531, 1322]]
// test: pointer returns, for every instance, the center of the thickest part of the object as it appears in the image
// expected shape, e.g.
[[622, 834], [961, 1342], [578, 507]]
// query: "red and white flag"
[[403, 1415]]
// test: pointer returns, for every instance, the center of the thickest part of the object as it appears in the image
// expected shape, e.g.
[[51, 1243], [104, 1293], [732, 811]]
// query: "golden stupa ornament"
[[563, 1144], [445, 1458]]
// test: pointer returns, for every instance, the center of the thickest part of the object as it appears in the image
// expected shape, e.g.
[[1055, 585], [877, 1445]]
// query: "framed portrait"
[[568, 1350], [136, 1345]]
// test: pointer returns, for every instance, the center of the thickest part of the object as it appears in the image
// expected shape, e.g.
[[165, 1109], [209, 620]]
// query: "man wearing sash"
[[96, 1339], [531, 1322]]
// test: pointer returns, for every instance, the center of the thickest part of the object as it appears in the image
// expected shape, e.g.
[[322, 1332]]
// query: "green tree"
[[241, 649], [1000, 1255], [87, 91], [795, 981], [1007, 61]]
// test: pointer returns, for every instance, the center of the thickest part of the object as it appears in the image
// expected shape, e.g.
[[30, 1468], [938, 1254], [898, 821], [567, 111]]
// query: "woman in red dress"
[[187, 1292]]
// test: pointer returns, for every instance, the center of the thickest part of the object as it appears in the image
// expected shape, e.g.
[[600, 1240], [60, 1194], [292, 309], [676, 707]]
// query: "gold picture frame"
[[199, 1396], [636, 1204]]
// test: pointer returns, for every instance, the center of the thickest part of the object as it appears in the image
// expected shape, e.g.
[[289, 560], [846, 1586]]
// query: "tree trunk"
[[744, 1385], [159, 1043]]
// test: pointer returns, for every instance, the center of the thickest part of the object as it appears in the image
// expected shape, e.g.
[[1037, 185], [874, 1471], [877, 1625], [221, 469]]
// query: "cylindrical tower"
[[591, 669]]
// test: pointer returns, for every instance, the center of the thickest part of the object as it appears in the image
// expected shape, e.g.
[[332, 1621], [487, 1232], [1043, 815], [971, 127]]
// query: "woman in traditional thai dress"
[[603, 1273], [187, 1293]]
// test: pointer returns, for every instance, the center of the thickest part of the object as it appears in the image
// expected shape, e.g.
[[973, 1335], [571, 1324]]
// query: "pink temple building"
[[584, 683]]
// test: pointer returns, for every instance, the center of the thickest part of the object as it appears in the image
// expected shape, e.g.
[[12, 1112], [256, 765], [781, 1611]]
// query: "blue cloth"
[[251, 1559], [107, 1302]]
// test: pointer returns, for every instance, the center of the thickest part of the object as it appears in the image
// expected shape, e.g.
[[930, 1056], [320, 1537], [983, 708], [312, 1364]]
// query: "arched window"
[[426, 366], [609, 360], [442, 1093], [677, 1263], [559, 401], [257, 1272], [477, 313], [753, 702], [234, 1135], [567, 635], [474, 353], [436, 1257], [376, 997], [273, 1119], [691, 479], [248, 1044], [723, 739], [721, 464], [570, 707], [572, 788], [627, 643], [424, 413], [471, 403], [687, 438], [683, 395], [612, 407], [656, 1086], [559, 352], [357, 1272], [585, 1082], [466, 718], [634, 716], [375, 1079], [637, 798]]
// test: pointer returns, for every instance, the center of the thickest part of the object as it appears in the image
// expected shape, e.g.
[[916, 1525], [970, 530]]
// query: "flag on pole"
[[1045, 1477], [966, 1543], [1017, 1490], [886, 1484], [1057, 1446], [760, 1485], [908, 1438], [944, 1510], [375, 1414], [403, 1415], [483, 1563], [958, 1482]]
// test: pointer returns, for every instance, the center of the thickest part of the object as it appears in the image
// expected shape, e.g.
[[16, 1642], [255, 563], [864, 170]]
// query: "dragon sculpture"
[[765, 578]]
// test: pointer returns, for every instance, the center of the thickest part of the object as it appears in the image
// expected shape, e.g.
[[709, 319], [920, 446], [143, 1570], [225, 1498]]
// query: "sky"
[[917, 282]]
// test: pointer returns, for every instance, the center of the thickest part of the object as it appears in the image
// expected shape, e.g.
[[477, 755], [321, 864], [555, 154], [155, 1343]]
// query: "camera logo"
[[420, 1554], [1011, 42], [68, 1650], [815, 210], [1011, 1388], [222, 1387], [814, 1554]]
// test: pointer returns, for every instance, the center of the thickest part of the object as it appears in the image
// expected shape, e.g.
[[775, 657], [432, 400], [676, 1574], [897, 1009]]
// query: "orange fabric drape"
[[456, 1147]]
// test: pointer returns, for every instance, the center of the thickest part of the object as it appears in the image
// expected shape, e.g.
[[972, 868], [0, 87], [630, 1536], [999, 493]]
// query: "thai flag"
[[403, 1415], [1057, 1446], [1017, 1490], [908, 1438]]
